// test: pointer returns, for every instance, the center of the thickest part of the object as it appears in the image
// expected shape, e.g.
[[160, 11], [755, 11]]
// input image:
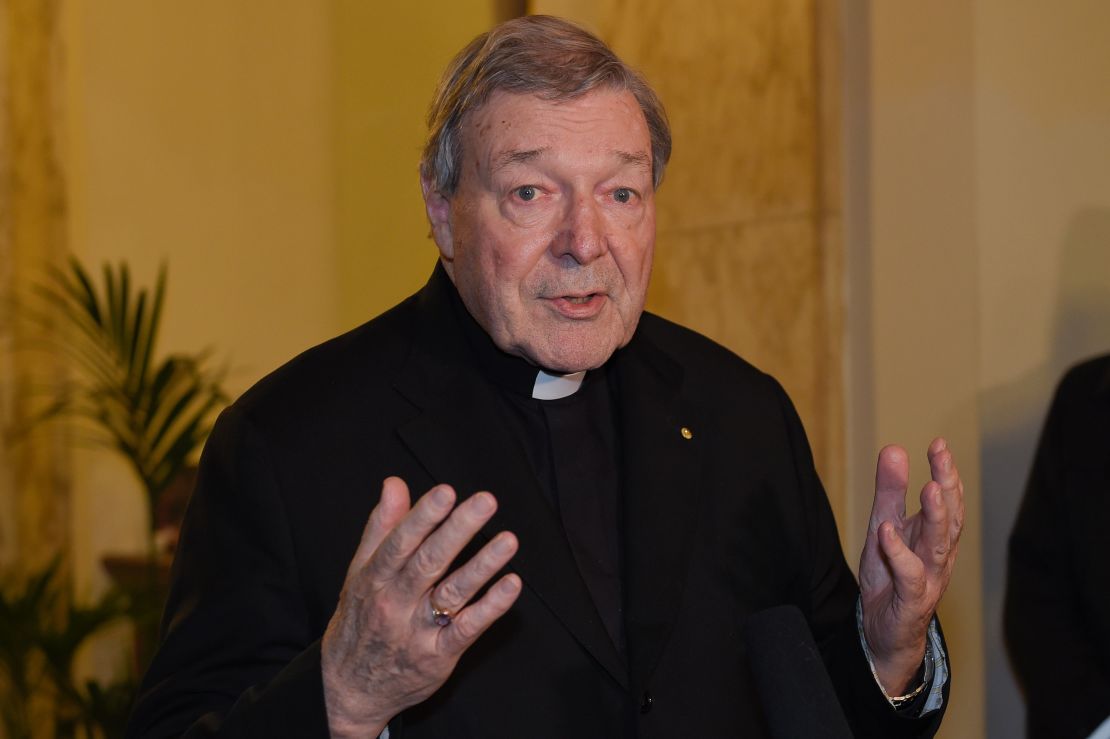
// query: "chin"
[[565, 362], [566, 349]]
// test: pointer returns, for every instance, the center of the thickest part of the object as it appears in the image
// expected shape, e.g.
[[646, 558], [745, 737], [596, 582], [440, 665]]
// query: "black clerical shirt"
[[574, 450]]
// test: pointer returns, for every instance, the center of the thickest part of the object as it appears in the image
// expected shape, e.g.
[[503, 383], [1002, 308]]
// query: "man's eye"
[[622, 194], [526, 193]]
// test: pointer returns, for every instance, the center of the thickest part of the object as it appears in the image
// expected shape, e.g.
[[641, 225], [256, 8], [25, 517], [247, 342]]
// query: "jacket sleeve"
[[832, 600], [238, 656], [1047, 628]]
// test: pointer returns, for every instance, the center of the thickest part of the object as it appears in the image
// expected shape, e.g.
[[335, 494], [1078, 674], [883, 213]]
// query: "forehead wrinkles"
[[512, 129]]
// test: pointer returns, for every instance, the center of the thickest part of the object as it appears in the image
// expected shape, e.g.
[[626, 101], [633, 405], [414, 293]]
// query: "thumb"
[[907, 569]]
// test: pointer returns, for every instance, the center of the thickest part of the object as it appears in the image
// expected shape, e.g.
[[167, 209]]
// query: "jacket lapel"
[[459, 437], [661, 474]]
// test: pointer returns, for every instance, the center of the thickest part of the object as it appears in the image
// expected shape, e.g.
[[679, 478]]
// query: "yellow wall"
[[388, 58], [201, 136]]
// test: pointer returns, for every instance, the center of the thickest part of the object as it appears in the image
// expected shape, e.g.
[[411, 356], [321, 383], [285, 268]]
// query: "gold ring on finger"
[[441, 617]]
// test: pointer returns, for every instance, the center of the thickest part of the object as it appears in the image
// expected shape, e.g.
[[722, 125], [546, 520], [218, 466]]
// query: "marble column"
[[34, 471]]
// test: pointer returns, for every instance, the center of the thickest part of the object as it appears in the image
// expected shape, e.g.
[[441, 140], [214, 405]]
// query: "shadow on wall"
[[1012, 415]]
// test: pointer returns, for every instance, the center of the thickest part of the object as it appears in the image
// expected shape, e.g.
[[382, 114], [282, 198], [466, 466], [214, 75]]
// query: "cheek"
[[519, 260], [636, 260], [648, 258]]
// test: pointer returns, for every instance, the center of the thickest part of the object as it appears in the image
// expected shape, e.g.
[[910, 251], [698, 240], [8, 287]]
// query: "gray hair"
[[540, 55]]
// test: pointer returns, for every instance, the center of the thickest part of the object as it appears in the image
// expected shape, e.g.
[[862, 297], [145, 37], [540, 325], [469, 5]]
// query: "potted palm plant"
[[155, 412]]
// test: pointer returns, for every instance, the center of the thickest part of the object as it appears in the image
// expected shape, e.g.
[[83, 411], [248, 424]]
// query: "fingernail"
[[508, 586], [441, 497], [483, 503], [502, 544]]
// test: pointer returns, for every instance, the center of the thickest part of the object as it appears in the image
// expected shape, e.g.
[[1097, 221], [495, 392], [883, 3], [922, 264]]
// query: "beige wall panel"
[[923, 283], [1042, 123]]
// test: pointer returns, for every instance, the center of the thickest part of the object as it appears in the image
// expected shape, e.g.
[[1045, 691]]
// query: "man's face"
[[549, 235]]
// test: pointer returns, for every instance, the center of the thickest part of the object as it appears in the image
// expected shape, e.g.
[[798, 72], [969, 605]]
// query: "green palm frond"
[[156, 413]]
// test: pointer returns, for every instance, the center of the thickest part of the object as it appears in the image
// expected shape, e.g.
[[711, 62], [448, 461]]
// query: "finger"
[[907, 569], [942, 466], [399, 545], [456, 590], [891, 481], [472, 622], [392, 506], [936, 546], [436, 553]]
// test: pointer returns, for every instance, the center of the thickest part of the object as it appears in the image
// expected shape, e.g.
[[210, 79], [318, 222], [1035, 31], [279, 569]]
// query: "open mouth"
[[579, 306]]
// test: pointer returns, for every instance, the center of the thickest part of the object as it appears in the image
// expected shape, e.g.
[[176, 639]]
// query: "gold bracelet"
[[900, 700]]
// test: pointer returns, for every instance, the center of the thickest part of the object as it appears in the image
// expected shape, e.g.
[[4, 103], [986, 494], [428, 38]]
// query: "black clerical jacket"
[[720, 521]]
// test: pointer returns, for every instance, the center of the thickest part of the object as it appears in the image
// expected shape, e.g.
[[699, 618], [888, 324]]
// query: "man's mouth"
[[579, 307]]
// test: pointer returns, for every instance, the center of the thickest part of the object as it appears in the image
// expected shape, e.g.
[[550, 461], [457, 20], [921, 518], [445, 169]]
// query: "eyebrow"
[[638, 159], [516, 156]]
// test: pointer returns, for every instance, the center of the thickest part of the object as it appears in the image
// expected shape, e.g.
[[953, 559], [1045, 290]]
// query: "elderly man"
[[647, 489]]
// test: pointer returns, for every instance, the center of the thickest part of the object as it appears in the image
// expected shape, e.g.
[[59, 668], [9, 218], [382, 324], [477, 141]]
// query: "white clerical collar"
[[553, 387]]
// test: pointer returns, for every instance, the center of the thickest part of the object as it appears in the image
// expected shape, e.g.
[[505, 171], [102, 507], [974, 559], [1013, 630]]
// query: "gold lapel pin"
[[686, 433]]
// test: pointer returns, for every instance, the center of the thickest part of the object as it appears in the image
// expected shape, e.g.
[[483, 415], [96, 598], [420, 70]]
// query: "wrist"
[[349, 716], [343, 724], [921, 681], [901, 674]]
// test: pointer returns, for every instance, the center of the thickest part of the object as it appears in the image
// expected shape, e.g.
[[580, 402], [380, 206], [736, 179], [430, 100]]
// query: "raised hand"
[[907, 562], [385, 648]]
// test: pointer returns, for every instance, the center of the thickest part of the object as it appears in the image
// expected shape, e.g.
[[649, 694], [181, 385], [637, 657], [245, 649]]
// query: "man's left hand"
[[907, 562]]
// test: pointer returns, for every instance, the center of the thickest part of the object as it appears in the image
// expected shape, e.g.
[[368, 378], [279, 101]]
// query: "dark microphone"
[[795, 690]]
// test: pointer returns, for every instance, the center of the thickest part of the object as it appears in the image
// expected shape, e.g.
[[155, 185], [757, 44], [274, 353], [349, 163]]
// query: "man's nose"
[[583, 234]]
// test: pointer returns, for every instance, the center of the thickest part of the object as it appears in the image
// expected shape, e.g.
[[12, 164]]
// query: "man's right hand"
[[382, 651]]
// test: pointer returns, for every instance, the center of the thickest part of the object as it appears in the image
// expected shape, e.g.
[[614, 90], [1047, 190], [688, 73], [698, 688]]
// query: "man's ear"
[[438, 208]]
